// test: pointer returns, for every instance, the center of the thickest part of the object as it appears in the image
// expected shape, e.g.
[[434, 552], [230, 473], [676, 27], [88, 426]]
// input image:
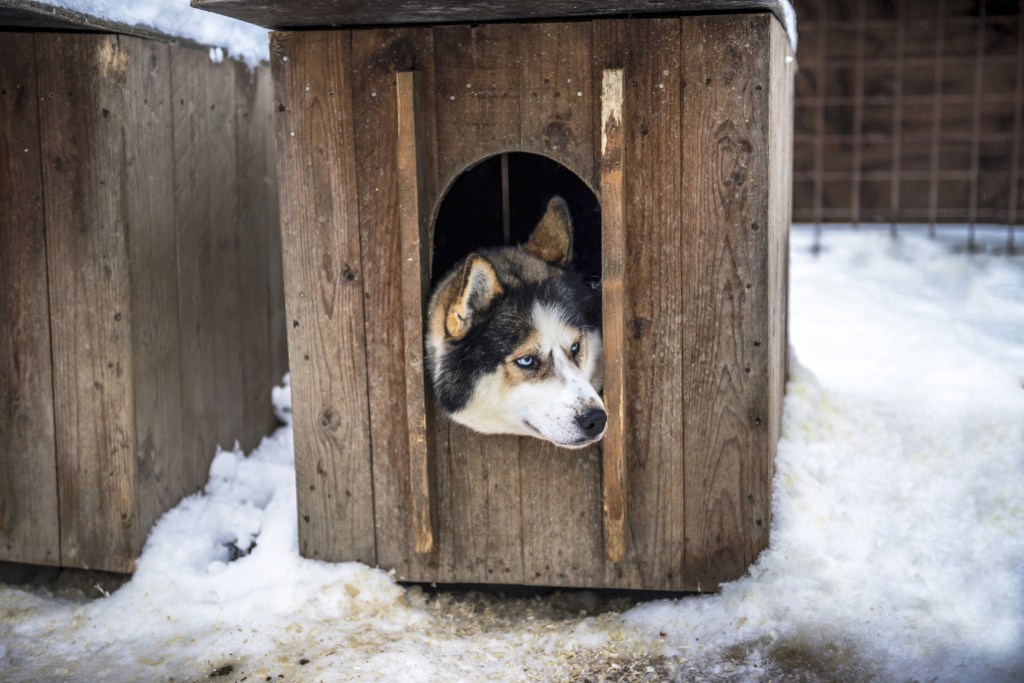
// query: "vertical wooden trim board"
[[613, 265], [414, 225], [29, 524]]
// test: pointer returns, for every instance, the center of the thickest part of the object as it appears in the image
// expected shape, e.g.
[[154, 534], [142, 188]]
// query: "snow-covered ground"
[[897, 548]]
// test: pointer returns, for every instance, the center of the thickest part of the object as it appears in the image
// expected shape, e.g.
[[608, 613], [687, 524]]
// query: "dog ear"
[[477, 287], [551, 240]]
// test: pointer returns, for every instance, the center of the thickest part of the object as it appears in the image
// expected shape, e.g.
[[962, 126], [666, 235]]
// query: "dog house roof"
[[286, 14]]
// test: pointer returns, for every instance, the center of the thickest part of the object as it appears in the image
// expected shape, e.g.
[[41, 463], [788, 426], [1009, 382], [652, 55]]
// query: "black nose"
[[592, 422]]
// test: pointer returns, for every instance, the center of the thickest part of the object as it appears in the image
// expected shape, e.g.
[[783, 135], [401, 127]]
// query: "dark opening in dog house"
[[498, 201], [681, 125]]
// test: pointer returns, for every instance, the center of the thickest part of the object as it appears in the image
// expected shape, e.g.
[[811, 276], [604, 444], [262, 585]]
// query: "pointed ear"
[[476, 287], [551, 240]]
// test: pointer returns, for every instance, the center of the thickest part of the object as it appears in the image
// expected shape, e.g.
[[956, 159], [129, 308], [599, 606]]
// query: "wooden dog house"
[[141, 312], [680, 124]]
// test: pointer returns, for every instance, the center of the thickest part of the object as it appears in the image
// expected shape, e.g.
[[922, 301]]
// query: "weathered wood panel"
[[148, 210], [83, 150], [127, 185], [414, 211], [613, 324], [254, 168], [220, 174], [324, 293], [477, 77], [193, 145], [376, 57], [557, 106], [561, 542], [650, 54], [516, 510], [29, 525], [478, 89], [726, 335]]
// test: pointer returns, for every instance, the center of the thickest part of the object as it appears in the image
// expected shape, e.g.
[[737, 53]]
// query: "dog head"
[[513, 345]]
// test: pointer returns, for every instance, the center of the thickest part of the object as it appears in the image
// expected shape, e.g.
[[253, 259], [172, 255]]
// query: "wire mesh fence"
[[908, 113]]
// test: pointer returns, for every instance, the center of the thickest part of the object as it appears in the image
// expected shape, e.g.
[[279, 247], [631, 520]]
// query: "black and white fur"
[[513, 341]]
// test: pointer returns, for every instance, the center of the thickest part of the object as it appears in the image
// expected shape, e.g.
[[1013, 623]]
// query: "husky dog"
[[513, 345]]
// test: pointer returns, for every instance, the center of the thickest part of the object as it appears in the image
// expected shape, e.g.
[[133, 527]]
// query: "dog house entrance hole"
[[499, 201]]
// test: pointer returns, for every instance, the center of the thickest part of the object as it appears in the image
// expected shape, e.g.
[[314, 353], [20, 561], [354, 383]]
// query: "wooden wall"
[[140, 322], [705, 203], [909, 111]]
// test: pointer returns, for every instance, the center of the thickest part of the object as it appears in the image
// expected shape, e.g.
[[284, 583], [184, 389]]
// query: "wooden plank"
[[726, 340], [649, 51], [414, 214], [321, 13], [82, 119], [152, 269], [478, 91], [193, 143], [254, 173], [613, 331], [376, 56], [557, 106], [477, 103], [324, 295], [29, 525], [486, 499], [561, 533], [220, 174]]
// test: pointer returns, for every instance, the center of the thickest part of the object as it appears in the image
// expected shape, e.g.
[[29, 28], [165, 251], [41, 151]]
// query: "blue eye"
[[575, 348], [526, 361]]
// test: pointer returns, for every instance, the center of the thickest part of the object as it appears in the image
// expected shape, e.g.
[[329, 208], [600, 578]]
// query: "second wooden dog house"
[[680, 125]]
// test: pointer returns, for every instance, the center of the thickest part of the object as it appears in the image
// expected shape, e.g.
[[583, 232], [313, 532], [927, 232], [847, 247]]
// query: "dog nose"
[[592, 422]]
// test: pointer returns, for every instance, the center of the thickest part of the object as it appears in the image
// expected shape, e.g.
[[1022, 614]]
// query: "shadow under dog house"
[[680, 124]]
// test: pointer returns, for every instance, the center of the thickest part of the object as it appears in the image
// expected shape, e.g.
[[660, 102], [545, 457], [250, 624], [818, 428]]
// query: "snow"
[[238, 39], [897, 547]]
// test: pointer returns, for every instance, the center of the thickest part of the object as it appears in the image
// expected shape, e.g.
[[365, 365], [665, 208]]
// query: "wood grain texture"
[[221, 176], [148, 209], [193, 145], [376, 56], [255, 175], [324, 295], [29, 524], [556, 104], [322, 13], [727, 308], [82, 117], [477, 81], [485, 513], [478, 89], [414, 211], [613, 327], [561, 540], [650, 53]]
